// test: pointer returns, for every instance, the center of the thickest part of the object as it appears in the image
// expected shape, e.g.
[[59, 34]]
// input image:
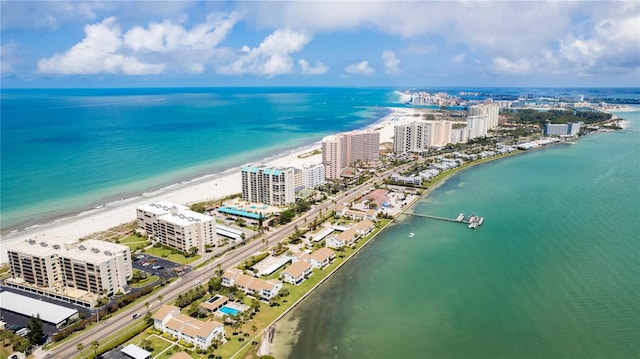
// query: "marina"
[[473, 221]]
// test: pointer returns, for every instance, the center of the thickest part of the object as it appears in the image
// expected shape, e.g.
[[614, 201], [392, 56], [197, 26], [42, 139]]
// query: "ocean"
[[552, 273], [69, 150]]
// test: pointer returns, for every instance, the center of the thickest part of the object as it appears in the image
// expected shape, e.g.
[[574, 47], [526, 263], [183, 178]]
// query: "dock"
[[472, 221]]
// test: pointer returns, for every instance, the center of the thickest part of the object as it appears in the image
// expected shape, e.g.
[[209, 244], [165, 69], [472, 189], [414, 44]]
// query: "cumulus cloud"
[[318, 69], [360, 68], [391, 62], [143, 51], [98, 53], [506, 66], [272, 57], [168, 36]]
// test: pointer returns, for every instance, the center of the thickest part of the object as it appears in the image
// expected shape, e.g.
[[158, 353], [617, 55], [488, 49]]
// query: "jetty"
[[473, 221]]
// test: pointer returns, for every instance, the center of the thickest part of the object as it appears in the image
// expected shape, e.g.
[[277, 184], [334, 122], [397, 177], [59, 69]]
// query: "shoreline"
[[103, 216], [410, 205]]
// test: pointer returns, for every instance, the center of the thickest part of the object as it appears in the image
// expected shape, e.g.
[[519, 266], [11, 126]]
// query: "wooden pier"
[[472, 219]]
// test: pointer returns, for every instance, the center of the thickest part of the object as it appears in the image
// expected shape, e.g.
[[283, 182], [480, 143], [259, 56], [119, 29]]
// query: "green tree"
[[35, 326], [94, 345], [146, 344], [286, 216], [193, 251], [80, 347]]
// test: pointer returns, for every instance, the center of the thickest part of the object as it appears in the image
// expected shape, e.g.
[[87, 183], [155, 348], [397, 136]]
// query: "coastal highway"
[[123, 318]]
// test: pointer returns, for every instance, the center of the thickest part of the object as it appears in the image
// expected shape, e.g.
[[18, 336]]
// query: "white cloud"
[[391, 62], [361, 68], [318, 69], [47, 14], [167, 36], [505, 66], [98, 53], [142, 51], [272, 57]]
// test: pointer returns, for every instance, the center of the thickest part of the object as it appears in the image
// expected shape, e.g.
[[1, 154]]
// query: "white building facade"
[[313, 176], [492, 111], [176, 226], [272, 186], [477, 126], [94, 266]]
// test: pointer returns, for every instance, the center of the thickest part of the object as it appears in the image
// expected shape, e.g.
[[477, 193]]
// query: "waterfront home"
[[297, 272], [334, 242], [169, 320], [342, 211], [349, 237], [256, 287], [320, 258], [364, 227]]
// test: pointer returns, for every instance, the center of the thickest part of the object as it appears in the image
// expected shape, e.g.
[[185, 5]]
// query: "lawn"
[[134, 242], [171, 255], [150, 279]]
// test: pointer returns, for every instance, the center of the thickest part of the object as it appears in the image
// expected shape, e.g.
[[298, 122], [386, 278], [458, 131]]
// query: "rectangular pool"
[[227, 310]]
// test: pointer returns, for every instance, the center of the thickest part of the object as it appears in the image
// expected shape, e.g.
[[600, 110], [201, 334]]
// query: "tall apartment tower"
[[491, 110], [343, 149], [418, 136], [440, 133], [272, 186], [477, 126], [411, 137], [177, 226], [98, 267], [313, 176]]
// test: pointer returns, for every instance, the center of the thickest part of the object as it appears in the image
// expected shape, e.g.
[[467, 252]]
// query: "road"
[[123, 318]]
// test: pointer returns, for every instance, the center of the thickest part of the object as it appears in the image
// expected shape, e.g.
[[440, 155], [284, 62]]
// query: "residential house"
[[320, 258], [169, 320], [256, 287], [297, 272]]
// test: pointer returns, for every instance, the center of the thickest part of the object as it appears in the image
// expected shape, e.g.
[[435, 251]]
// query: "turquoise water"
[[68, 150], [230, 311], [552, 273]]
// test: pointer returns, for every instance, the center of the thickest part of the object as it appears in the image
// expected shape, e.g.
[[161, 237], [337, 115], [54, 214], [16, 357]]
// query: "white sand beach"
[[201, 189]]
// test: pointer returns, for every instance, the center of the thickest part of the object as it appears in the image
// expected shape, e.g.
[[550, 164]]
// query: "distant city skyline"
[[320, 43]]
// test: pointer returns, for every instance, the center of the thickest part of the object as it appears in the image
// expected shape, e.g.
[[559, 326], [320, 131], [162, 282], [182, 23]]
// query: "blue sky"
[[319, 43]]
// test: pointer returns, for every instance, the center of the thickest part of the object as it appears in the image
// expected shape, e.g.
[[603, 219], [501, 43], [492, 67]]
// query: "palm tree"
[[160, 298], [147, 304], [95, 345], [80, 347]]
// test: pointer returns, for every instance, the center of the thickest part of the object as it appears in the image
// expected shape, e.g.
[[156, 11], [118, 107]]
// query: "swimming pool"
[[227, 310]]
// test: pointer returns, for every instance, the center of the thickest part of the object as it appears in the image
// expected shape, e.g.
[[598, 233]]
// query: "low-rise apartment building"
[[256, 287], [169, 320]]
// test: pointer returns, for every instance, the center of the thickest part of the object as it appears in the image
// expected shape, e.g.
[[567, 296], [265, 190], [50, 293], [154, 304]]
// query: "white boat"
[[411, 235]]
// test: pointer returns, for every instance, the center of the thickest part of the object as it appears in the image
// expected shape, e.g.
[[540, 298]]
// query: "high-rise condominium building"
[[491, 110], [477, 126], [312, 176], [272, 186], [564, 129], [345, 149], [176, 226], [51, 263], [419, 136]]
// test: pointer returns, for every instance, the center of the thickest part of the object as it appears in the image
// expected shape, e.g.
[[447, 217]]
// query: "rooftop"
[[49, 312]]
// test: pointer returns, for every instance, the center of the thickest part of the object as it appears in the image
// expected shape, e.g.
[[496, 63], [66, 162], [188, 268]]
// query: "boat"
[[473, 225], [411, 235]]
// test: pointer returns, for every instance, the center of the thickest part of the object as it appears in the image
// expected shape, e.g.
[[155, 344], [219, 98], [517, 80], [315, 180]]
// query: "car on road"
[[136, 316], [196, 282]]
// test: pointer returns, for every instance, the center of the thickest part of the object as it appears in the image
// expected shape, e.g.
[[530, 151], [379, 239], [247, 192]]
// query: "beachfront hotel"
[[267, 185], [419, 136], [176, 226], [344, 149], [69, 270], [491, 110]]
